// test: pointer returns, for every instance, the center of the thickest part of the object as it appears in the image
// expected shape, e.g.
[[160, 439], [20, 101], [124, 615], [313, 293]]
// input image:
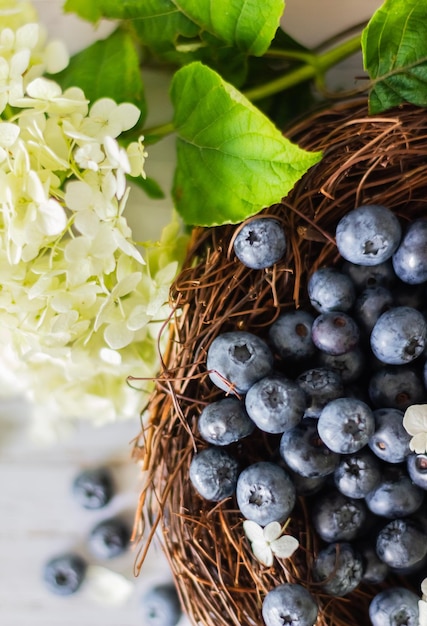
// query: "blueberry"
[[260, 243], [345, 425], [402, 545], [109, 538], [337, 517], [305, 453], [395, 606], [390, 441], [265, 493], [357, 474], [93, 488], [349, 365], [335, 332], [417, 469], [396, 386], [338, 568], [161, 606], [237, 359], [399, 335], [289, 604], [275, 403], [395, 496], [410, 259], [64, 574], [364, 276], [224, 421], [368, 235], [306, 486], [330, 290], [320, 385], [370, 304], [213, 473], [290, 335]]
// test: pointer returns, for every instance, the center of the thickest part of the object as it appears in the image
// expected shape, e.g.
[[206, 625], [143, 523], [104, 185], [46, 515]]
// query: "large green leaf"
[[107, 68], [247, 25], [232, 160], [394, 47]]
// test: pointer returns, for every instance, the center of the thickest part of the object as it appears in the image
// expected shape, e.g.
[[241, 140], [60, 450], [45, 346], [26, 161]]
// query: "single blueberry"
[[337, 517], [364, 276], [330, 290], [345, 425], [320, 384], [395, 496], [237, 359], [306, 486], [260, 243], [410, 258], [290, 335], [338, 568], [399, 335], [368, 235], [395, 606], [64, 574], [289, 604], [161, 606], [265, 493], [390, 441], [371, 303], [335, 332], [402, 544], [357, 474], [417, 469], [396, 386], [109, 538], [224, 421], [93, 488], [305, 453], [213, 473], [275, 403], [349, 365]]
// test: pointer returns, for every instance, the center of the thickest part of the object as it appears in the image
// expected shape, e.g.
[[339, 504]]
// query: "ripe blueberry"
[[345, 425], [93, 488], [395, 606], [335, 332], [337, 517], [64, 574], [289, 604], [213, 473], [339, 568], [161, 606], [109, 538], [290, 335], [410, 259], [390, 441], [399, 335], [260, 243], [224, 421]]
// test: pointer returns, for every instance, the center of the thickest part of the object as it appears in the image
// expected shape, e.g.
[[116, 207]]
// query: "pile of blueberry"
[[93, 489], [330, 383]]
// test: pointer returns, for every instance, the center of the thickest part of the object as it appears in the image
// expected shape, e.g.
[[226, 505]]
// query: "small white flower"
[[269, 541], [422, 604], [415, 422]]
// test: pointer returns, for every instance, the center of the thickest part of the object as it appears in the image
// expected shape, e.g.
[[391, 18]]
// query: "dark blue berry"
[[338, 568], [335, 332], [349, 365], [265, 493], [394, 606], [93, 488], [110, 538], [395, 496], [330, 290], [364, 276], [320, 384], [64, 574], [224, 421], [161, 606], [390, 441], [410, 259], [213, 473], [368, 235], [370, 304], [337, 517], [237, 359], [345, 425], [290, 335], [305, 453], [396, 386], [289, 604], [260, 243], [357, 474], [402, 545], [399, 335], [417, 469]]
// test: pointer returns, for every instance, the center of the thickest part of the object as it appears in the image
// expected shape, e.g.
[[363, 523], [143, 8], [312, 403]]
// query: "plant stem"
[[315, 66], [318, 66]]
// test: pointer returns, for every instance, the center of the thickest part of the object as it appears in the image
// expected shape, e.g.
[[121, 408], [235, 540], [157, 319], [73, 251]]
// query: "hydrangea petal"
[[118, 335], [415, 419], [56, 57], [272, 531], [43, 89], [262, 552], [9, 133], [422, 608], [285, 546], [418, 443], [424, 588], [107, 587], [253, 531]]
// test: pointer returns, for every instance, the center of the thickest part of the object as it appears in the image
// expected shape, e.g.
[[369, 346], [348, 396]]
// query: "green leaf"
[[394, 45], [87, 10], [232, 160], [107, 68], [245, 25]]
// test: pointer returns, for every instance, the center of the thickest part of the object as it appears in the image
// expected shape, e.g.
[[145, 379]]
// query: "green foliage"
[[107, 68], [395, 54], [232, 161]]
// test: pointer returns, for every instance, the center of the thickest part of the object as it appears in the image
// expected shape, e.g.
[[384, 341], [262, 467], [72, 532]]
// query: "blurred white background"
[[39, 517]]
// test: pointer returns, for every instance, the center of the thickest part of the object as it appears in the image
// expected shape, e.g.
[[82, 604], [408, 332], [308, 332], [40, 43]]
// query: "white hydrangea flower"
[[81, 304], [415, 423], [269, 541]]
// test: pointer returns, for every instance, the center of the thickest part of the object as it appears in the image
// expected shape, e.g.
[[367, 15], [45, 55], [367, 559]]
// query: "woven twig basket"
[[367, 159]]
